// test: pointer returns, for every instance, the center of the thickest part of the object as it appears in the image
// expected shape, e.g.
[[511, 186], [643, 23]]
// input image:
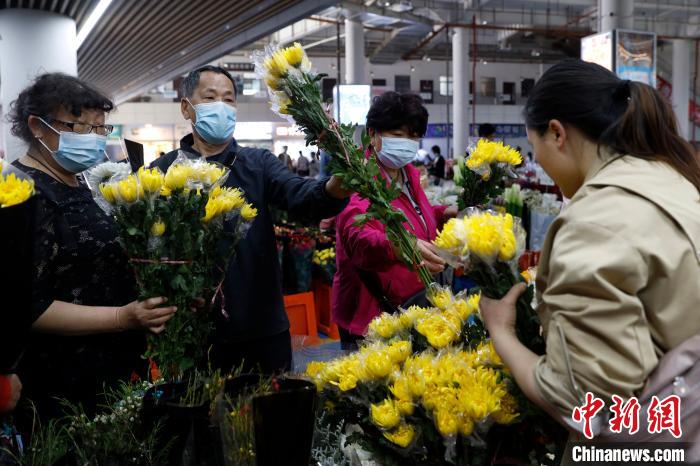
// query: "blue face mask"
[[215, 121], [77, 152], [397, 152]]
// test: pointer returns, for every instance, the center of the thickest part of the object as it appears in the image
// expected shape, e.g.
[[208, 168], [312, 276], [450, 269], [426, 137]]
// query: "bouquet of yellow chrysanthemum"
[[480, 174], [489, 245], [294, 92], [428, 388], [426, 384], [172, 228]]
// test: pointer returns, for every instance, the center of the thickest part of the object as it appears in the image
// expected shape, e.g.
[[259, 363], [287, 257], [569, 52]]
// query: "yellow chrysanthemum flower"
[[215, 207], [276, 65], [438, 330], [165, 191], [176, 177], [248, 212], [14, 191], [127, 190], [314, 368], [508, 411], [488, 152], [294, 54], [158, 228], [107, 191], [466, 427], [399, 351], [446, 423], [151, 180], [273, 83], [384, 326], [378, 364], [441, 298], [486, 235], [401, 389], [385, 415], [347, 382], [233, 196], [487, 354], [208, 173], [402, 435]]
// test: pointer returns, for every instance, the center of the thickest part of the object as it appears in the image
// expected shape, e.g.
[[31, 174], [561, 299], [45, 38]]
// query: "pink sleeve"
[[367, 246], [439, 212]]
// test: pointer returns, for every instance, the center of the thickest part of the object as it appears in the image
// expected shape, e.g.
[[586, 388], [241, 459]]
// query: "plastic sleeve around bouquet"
[[18, 211]]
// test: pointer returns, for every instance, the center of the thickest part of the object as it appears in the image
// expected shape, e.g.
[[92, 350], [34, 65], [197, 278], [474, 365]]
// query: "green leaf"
[[132, 231], [178, 283]]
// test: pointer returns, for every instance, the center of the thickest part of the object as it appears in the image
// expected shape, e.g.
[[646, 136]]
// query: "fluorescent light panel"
[[92, 20]]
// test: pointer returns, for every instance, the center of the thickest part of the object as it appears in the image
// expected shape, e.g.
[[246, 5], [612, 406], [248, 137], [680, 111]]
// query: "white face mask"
[[397, 152]]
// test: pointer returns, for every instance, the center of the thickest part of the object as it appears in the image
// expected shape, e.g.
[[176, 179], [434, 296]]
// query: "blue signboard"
[[503, 130]]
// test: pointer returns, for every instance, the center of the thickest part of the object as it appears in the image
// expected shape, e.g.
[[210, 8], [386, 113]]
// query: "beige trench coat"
[[618, 282]]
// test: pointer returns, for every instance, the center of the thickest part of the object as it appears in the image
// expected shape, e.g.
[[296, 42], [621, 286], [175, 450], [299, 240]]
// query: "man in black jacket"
[[257, 329]]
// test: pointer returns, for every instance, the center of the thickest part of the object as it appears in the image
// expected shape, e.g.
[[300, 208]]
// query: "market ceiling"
[[139, 44]]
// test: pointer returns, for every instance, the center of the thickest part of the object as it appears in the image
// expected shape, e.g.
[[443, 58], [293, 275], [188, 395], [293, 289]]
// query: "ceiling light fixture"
[[92, 20]]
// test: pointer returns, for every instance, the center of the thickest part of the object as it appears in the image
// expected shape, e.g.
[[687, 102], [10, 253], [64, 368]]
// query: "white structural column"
[[615, 14], [460, 91], [32, 42], [681, 84], [354, 52]]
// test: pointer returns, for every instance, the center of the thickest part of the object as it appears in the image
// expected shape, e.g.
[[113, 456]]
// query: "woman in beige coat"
[[619, 277]]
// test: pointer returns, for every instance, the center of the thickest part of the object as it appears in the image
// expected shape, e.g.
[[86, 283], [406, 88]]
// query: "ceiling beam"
[[387, 13], [422, 44], [387, 40], [166, 71]]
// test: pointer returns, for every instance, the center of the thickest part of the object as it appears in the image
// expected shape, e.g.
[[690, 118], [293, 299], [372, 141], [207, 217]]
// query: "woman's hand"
[[499, 315], [145, 314], [431, 260], [429, 254]]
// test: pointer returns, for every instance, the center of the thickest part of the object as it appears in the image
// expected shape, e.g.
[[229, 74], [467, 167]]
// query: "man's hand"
[[334, 188]]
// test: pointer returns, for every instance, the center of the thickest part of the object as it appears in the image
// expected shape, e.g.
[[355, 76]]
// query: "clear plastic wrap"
[[481, 236]]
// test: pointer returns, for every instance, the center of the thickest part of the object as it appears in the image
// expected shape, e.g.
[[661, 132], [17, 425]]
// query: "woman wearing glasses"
[[83, 305]]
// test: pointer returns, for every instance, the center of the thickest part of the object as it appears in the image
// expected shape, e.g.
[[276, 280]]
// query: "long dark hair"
[[629, 117]]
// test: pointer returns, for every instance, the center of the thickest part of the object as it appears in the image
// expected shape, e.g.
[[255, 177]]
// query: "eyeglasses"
[[83, 128]]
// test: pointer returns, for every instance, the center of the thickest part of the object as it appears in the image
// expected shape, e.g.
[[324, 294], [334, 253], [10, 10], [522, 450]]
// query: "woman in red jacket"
[[370, 277]]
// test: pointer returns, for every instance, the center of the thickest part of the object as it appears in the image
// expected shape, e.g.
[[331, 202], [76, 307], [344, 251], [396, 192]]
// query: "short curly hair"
[[392, 110], [47, 94]]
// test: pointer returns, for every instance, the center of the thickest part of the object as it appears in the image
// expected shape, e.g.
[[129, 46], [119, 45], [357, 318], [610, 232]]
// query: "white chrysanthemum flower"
[[105, 171]]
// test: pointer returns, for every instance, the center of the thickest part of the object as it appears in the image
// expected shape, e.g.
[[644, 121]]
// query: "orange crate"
[[323, 301], [302, 315]]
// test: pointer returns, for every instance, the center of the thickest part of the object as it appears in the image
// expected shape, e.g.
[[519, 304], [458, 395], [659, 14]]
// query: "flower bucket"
[[283, 419], [182, 429]]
